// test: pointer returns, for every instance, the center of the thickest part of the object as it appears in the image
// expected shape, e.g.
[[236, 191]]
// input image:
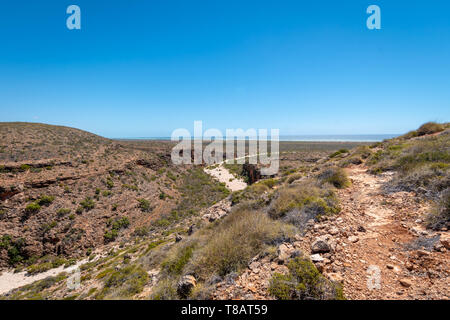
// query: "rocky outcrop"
[[217, 211], [6, 194], [155, 163], [252, 172], [185, 286]]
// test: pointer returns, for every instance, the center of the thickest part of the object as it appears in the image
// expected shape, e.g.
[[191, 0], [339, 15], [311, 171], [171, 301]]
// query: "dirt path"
[[381, 250], [384, 252]]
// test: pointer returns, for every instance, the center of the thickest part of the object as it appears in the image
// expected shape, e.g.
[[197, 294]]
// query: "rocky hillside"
[[369, 222], [66, 193]]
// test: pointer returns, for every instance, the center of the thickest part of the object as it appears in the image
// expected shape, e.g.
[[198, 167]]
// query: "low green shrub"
[[63, 211], [109, 183], [115, 225], [339, 152], [24, 167], [32, 208], [145, 205], [303, 282], [14, 249], [251, 193], [87, 204], [45, 200]]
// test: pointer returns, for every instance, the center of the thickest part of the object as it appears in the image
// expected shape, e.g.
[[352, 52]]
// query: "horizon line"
[[293, 138]]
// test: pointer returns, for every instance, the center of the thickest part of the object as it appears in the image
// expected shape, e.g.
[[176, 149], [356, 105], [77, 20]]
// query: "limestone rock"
[[316, 258], [320, 245], [406, 282]]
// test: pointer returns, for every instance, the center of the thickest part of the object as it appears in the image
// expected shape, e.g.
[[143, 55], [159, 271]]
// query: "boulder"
[[406, 282], [321, 245], [285, 251]]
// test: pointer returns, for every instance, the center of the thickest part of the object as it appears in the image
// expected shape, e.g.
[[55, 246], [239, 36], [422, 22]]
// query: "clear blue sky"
[[144, 68]]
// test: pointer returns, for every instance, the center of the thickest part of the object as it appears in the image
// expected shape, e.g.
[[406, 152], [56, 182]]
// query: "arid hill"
[[22, 141], [65, 192], [339, 221]]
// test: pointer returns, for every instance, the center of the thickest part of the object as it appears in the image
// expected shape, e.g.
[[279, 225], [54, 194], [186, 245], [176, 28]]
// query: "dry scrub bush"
[[440, 216], [306, 197], [430, 128], [220, 248], [335, 176], [241, 236]]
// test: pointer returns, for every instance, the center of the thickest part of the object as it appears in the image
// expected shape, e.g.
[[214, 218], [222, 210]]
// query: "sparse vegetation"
[[235, 169], [335, 176], [124, 283], [175, 265], [304, 282], [145, 205], [440, 216], [63, 211], [263, 215], [130, 187], [45, 200], [114, 227], [430, 128], [32, 208], [87, 204], [339, 152], [241, 235], [252, 193], [14, 249], [297, 203], [421, 165], [46, 263], [35, 291]]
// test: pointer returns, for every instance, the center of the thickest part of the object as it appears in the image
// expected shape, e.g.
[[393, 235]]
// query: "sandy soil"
[[223, 175], [10, 280]]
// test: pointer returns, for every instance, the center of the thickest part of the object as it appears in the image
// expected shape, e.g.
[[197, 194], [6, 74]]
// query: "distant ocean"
[[309, 138], [340, 137]]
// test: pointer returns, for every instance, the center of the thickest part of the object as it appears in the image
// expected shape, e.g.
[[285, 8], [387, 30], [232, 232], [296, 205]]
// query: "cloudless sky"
[[144, 68]]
